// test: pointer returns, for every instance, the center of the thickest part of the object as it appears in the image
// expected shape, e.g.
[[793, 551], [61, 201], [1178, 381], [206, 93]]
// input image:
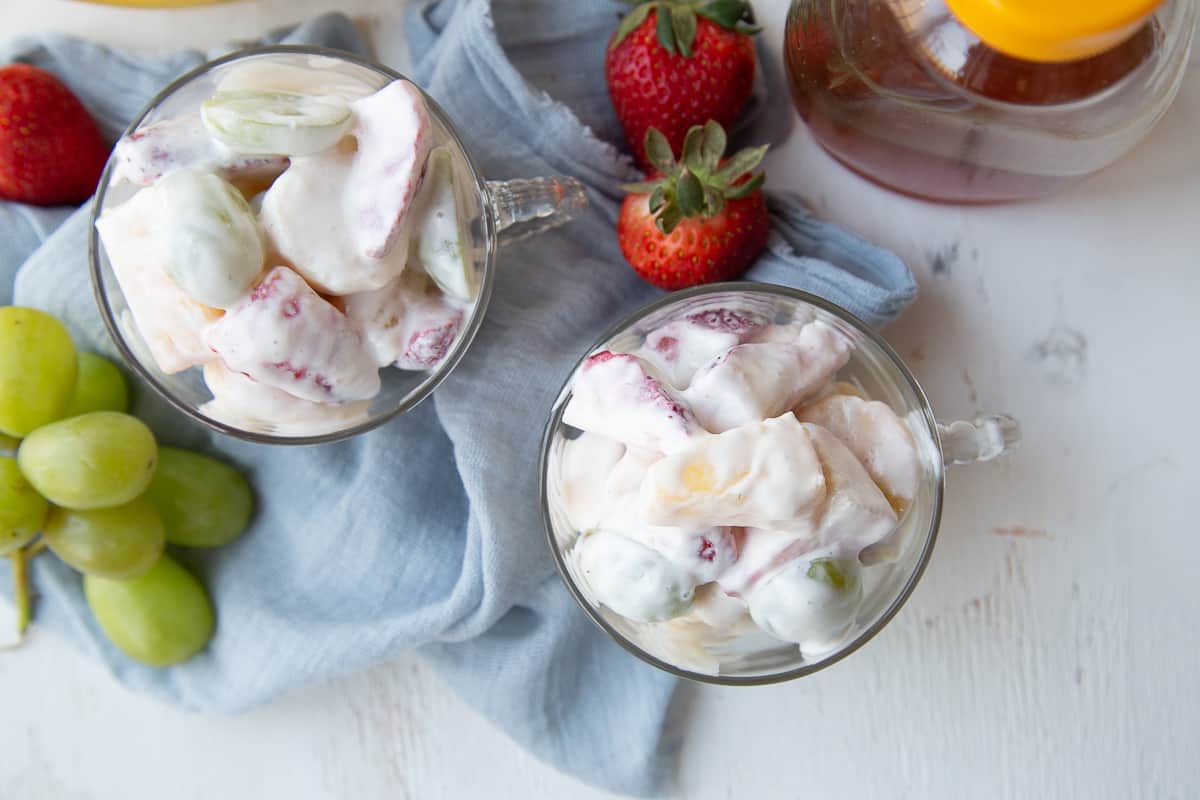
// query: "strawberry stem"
[[675, 21], [700, 183]]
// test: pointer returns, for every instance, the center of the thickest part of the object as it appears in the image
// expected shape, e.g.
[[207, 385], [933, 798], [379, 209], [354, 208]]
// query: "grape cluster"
[[103, 496]]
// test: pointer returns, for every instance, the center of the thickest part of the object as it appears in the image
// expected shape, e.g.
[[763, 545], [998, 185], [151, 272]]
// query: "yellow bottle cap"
[[1052, 30]]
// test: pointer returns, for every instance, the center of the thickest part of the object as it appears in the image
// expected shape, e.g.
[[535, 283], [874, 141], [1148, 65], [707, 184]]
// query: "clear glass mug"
[[750, 656], [498, 210]]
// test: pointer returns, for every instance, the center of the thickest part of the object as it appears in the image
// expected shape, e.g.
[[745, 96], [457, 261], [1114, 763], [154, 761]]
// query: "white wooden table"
[[1050, 650]]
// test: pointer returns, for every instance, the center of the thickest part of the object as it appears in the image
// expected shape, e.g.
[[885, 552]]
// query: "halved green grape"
[[37, 369], [100, 386], [97, 460], [160, 618], [22, 509], [443, 241], [120, 542], [275, 123], [213, 246], [203, 502]]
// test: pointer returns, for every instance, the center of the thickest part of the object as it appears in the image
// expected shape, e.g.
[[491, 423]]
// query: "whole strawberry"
[[51, 152], [703, 220], [673, 64]]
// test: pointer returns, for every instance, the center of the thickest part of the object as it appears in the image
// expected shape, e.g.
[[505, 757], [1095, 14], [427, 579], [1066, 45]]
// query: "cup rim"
[[434, 378], [864, 636]]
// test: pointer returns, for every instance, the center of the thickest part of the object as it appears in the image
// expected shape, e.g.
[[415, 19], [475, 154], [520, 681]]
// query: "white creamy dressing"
[[316, 276], [701, 498]]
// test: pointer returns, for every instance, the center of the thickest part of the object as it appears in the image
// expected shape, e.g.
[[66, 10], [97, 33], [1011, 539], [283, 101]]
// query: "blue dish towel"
[[426, 534]]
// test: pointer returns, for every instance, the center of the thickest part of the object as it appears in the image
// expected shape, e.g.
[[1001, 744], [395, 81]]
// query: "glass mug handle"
[[530, 206], [980, 439]]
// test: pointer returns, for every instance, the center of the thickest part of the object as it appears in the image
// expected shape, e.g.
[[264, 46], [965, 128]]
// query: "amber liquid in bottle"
[[876, 102]]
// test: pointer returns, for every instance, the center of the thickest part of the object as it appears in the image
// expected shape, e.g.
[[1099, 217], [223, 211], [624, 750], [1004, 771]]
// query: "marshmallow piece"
[[170, 323], [155, 151], [243, 402], [630, 578], [584, 463], [286, 335], [762, 380], [682, 346], [305, 217], [812, 602], [408, 323], [876, 436], [716, 609], [624, 482], [763, 475], [618, 395], [856, 514]]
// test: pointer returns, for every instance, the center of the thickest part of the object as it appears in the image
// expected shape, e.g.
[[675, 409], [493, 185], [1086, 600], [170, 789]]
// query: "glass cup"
[[498, 210], [747, 655]]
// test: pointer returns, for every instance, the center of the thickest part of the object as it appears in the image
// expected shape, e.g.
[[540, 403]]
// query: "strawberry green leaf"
[[657, 198], [669, 218], [658, 151], [712, 145], [692, 158], [740, 163], [641, 187], [632, 20], [726, 13], [664, 31], [683, 23], [690, 194], [744, 189], [714, 201], [746, 29]]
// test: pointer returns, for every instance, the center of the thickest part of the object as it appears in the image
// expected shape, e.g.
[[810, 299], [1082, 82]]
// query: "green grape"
[[203, 502], [283, 123], [121, 542], [160, 618], [99, 387], [37, 369], [96, 460], [22, 509], [443, 240]]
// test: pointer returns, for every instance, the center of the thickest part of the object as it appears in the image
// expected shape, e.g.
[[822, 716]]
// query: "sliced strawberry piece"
[[758, 381], [287, 336], [682, 346], [618, 395], [154, 151], [408, 323]]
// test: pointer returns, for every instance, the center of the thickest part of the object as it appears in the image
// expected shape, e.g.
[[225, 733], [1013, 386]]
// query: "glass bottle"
[[978, 101]]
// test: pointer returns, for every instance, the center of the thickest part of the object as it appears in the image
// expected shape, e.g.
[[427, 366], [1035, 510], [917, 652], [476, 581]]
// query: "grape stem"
[[20, 574], [21, 590]]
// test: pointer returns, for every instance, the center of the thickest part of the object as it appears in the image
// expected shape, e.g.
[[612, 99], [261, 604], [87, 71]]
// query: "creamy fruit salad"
[[718, 478], [291, 233]]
